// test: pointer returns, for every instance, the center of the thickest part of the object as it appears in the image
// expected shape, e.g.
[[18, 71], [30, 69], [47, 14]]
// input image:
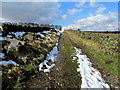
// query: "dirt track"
[[108, 77], [54, 79]]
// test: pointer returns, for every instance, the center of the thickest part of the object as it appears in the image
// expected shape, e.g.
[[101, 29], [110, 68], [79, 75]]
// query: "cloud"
[[81, 3], [64, 16], [93, 3], [0, 9], [39, 12], [73, 11], [29, 0], [100, 9], [98, 22], [2, 20]]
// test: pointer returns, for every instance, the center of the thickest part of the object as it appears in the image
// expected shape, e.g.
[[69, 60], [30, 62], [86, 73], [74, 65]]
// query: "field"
[[100, 47]]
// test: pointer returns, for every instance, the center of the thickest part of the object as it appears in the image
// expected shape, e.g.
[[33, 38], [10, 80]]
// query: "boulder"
[[14, 42], [29, 36], [24, 59], [22, 42]]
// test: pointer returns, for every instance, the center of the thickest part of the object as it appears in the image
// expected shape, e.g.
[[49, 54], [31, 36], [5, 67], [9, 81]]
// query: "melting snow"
[[42, 35], [46, 32], [91, 78], [10, 61], [39, 33], [3, 38], [51, 56], [2, 55], [19, 33]]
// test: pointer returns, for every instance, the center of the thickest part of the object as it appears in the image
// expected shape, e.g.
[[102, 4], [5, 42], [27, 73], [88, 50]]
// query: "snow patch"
[[91, 78], [3, 38], [51, 56], [2, 55], [46, 32], [19, 34], [6, 62], [39, 33]]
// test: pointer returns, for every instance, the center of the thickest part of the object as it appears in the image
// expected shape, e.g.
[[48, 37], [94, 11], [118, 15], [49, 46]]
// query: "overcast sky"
[[71, 15]]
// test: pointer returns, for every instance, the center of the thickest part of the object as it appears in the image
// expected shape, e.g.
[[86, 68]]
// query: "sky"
[[84, 15]]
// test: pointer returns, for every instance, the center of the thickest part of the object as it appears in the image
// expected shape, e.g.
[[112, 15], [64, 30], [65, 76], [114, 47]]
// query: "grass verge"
[[71, 78]]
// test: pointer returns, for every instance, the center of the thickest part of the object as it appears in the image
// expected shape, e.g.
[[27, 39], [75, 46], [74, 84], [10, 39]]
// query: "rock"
[[35, 60], [22, 42], [17, 70], [24, 59], [8, 66], [29, 36], [14, 42], [49, 45], [41, 57], [49, 63], [44, 67], [104, 76]]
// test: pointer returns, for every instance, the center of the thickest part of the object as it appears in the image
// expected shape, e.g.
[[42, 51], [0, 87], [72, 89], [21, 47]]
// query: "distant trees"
[[28, 27], [79, 30]]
